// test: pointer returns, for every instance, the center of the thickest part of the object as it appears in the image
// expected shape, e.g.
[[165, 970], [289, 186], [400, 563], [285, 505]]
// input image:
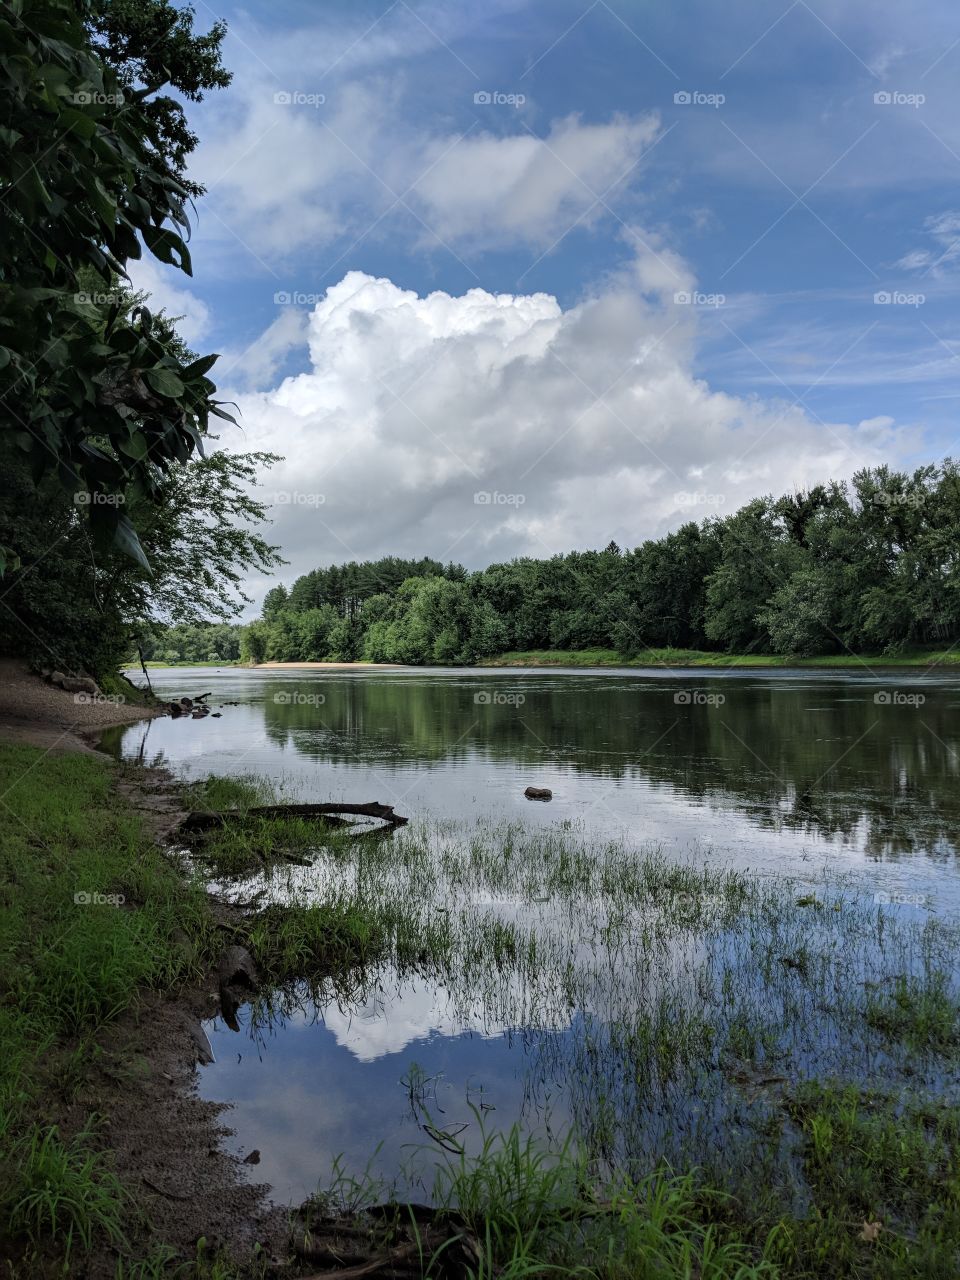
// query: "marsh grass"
[[688, 1013], [920, 1011]]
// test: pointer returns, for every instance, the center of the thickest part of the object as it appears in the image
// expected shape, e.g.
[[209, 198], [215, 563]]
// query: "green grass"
[[918, 657], [869, 1157], [68, 967], [881, 1174], [65, 1192], [921, 1012]]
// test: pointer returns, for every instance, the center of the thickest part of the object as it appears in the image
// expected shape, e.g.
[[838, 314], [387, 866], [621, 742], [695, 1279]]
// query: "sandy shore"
[[331, 666], [34, 713]]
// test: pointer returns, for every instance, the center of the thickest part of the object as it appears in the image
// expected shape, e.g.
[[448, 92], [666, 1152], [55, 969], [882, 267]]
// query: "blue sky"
[[781, 164]]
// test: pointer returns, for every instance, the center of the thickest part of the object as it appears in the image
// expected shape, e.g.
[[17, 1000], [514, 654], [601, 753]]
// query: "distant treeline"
[[873, 565], [192, 642]]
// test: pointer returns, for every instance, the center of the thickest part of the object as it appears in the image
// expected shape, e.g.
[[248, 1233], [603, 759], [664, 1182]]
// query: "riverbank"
[[674, 659], [34, 713], [679, 658]]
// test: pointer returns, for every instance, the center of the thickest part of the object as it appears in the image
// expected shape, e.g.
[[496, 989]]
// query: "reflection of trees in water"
[[803, 759]]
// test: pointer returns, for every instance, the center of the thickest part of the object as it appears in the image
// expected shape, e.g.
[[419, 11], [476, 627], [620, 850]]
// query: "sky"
[[521, 277]]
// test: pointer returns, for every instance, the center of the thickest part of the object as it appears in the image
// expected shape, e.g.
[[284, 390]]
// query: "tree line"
[[869, 565]]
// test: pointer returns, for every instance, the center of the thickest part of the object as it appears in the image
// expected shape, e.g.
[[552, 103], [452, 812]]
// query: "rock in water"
[[538, 793]]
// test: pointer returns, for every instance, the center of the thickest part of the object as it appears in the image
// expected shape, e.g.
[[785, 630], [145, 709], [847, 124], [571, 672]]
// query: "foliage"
[[869, 566], [74, 606], [95, 393], [150, 43]]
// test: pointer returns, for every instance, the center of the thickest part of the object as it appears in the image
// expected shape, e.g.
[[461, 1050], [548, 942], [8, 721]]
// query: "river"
[[828, 778]]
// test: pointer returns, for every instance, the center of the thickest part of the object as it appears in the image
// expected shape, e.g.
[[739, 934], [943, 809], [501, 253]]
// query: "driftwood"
[[237, 976], [203, 820], [460, 1254]]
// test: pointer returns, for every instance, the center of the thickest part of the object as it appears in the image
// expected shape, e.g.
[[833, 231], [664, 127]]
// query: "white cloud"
[[944, 229], [581, 424], [388, 1023], [256, 365], [282, 176], [524, 189], [167, 291]]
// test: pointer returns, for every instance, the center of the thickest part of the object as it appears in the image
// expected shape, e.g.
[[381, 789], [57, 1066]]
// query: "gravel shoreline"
[[34, 713]]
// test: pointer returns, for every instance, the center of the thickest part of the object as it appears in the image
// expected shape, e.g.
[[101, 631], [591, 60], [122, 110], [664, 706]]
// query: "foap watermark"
[[698, 698], [83, 498], [897, 698], [694, 298], [297, 98], [98, 299], [83, 699], [698, 498], [496, 98], [496, 499], [896, 298], [897, 98], [296, 298], [294, 498], [883, 899], [883, 498], [88, 898], [299, 699], [93, 97], [497, 698], [696, 98]]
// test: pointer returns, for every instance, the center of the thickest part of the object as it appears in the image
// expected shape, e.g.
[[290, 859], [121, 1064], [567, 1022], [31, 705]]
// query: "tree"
[[274, 602], [72, 606], [93, 392], [253, 643], [755, 560], [799, 615], [149, 44]]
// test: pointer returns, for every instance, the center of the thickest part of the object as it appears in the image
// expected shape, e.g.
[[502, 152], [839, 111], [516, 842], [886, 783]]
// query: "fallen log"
[[460, 1254], [202, 820]]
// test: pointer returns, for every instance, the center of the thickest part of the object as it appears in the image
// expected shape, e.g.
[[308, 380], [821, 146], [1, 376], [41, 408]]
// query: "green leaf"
[[136, 447], [165, 382], [168, 247], [125, 537], [200, 366]]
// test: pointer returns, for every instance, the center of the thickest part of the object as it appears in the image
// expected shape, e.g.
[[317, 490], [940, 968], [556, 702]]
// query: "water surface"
[[833, 779]]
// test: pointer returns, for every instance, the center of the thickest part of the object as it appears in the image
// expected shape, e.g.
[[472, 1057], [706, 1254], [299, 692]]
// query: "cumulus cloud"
[[257, 364], [483, 426]]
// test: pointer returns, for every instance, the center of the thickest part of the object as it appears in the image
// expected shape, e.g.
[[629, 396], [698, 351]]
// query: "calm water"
[[821, 776]]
